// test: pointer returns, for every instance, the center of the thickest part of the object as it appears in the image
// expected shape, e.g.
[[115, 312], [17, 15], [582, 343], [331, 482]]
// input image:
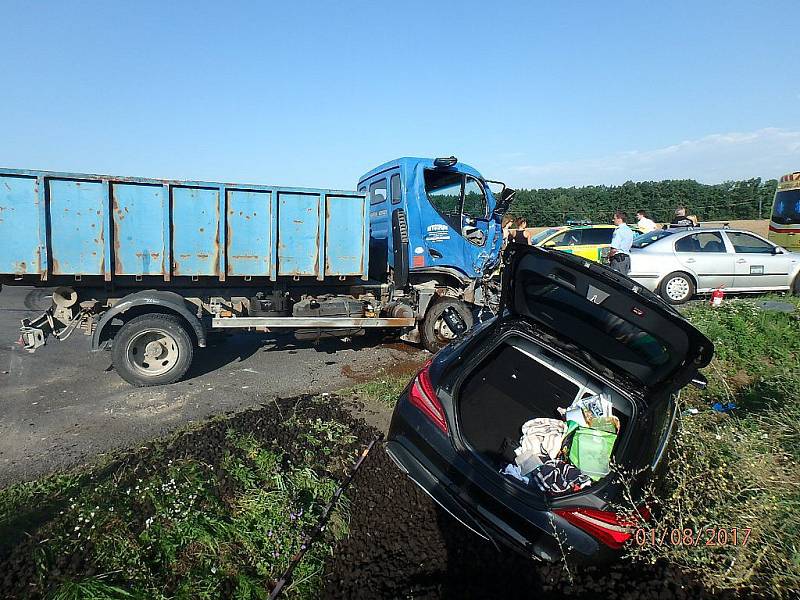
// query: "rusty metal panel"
[[195, 231], [19, 225], [249, 232], [298, 234], [78, 218], [166, 232], [137, 211], [345, 232]]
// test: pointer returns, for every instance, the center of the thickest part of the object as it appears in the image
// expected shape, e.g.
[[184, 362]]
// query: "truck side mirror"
[[503, 199]]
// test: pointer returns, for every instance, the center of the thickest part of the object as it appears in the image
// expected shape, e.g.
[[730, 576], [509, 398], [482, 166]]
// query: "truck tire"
[[677, 288], [152, 349], [434, 331]]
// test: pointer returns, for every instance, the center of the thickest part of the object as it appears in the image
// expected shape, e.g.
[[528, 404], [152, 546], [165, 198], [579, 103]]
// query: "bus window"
[[787, 207]]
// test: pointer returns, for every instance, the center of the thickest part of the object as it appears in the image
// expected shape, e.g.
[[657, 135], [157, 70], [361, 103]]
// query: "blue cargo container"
[[66, 224]]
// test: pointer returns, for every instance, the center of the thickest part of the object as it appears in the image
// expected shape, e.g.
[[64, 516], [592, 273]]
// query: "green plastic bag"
[[591, 450]]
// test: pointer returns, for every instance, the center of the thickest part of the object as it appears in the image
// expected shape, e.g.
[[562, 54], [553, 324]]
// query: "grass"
[[196, 525], [90, 588], [384, 390], [740, 469]]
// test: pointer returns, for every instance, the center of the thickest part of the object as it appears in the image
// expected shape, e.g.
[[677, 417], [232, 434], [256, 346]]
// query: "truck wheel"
[[152, 349], [677, 288], [434, 331]]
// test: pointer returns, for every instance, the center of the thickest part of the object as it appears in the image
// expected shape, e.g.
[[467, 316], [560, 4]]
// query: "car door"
[[593, 242], [704, 255], [567, 241], [760, 264]]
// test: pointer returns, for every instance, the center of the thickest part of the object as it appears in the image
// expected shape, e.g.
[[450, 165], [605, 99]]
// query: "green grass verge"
[[741, 469], [385, 389], [204, 521]]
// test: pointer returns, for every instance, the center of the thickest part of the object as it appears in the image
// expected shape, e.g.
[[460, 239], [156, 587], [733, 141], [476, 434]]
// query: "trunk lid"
[[614, 319]]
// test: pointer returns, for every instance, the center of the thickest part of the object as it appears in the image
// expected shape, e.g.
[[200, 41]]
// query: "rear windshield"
[[637, 340], [646, 239], [787, 207]]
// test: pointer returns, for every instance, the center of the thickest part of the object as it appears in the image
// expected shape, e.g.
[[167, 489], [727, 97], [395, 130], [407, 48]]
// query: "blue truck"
[[148, 268]]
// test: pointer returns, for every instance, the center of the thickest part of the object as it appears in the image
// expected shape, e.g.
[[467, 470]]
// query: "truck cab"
[[431, 219]]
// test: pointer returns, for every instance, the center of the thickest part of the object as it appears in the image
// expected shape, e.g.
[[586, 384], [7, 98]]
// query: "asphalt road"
[[64, 406]]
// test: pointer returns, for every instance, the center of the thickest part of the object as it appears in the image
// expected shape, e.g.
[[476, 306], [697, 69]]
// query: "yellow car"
[[587, 241]]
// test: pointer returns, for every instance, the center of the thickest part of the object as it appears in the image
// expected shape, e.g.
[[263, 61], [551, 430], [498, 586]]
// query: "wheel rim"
[[442, 331], [152, 352], [677, 288]]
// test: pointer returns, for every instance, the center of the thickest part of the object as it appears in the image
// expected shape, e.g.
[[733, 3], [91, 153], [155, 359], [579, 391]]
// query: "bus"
[[784, 226]]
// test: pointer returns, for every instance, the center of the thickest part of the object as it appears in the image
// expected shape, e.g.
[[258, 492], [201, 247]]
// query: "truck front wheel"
[[435, 333], [153, 349]]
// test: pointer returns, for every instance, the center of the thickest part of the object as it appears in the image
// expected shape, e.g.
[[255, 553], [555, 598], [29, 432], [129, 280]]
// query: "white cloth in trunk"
[[542, 436]]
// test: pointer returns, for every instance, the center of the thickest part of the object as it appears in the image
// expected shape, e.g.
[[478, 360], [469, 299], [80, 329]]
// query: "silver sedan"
[[678, 263]]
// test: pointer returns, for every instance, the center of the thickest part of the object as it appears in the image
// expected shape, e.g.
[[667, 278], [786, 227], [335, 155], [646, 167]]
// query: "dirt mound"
[[31, 566], [402, 545]]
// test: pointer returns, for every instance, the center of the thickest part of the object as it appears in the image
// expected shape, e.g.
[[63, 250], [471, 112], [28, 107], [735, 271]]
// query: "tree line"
[[731, 200]]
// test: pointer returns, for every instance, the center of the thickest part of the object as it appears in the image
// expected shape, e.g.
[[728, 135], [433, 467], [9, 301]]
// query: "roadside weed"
[[92, 588], [384, 390], [739, 470], [215, 524]]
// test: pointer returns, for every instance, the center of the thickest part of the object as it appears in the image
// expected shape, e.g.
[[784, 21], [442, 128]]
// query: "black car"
[[567, 327]]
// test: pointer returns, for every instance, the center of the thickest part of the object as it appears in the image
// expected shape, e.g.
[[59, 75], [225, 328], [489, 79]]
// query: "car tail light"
[[423, 396], [609, 527]]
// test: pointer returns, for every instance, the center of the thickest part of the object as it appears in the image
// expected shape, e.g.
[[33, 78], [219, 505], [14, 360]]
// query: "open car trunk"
[[518, 381]]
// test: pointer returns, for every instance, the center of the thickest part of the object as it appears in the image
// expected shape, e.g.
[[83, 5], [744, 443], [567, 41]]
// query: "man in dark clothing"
[[680, 219]]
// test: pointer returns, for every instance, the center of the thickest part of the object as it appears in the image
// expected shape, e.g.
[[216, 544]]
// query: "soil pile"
[[35, 560], [402, 545]]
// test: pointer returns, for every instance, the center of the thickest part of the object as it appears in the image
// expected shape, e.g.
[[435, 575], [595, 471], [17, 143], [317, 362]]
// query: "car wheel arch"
[[691, 276]]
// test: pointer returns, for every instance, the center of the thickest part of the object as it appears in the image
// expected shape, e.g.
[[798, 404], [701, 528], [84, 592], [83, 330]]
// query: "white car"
[[678, 263]]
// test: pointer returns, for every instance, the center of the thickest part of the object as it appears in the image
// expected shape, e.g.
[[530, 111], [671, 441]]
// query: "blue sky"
[[316, 93]]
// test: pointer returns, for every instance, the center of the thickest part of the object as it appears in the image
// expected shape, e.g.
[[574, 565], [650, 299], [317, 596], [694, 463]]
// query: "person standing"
[[620, 253], [521, 236], [506, 224], [680, 219], [646, 225]]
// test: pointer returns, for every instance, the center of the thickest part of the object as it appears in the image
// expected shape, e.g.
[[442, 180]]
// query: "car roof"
[[571, 227], [704, 229]]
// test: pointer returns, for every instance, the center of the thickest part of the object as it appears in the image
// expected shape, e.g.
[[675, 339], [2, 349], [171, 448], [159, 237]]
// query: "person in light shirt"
[[620, 253], [646, 225]]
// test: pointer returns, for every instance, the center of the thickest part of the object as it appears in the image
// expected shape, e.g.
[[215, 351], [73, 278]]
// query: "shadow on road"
[[224, 349]]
